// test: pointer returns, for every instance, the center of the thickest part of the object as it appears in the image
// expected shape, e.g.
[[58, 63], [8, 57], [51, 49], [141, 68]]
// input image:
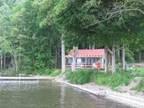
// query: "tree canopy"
[[31, 29]]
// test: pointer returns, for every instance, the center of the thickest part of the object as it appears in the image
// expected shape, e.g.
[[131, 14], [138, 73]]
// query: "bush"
[[140, 86], [79, 76], [138, 71], [50, 72], [55, 73], [100, 78], [114, 80]]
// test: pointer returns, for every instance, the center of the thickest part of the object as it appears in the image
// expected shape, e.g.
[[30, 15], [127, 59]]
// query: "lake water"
[[47, 94]]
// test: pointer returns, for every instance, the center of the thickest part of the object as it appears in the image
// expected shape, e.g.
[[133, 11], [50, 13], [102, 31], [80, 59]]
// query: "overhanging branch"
[[113, 14]]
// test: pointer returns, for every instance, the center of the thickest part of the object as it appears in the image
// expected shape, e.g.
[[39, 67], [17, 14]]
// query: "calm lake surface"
[[47, 94]]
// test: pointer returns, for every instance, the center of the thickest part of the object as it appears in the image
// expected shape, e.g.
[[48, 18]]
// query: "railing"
[[82, 66]]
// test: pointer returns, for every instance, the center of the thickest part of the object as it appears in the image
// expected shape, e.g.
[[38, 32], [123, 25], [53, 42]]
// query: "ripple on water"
[[47, 94]]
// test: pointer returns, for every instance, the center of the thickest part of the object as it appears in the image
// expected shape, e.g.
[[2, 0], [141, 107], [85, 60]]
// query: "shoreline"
[[123, 98], [27, 78]]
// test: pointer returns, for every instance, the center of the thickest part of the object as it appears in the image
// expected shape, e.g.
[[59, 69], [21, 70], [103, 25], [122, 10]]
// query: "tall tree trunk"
[[75, 49], [93, 47], [118, 55], [113, 60], [1, 62], [123, 58], [15, 62], [140, 57], [74, 64], [106, 59], [57, 58], [63, 53], [4, 61], [18, 61]]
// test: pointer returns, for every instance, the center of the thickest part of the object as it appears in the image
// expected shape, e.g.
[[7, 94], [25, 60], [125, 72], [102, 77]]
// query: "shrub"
[[55, 73], [114, 80], [79, 76], [50, 72], [138, 71], [100, 78], [140, 86]]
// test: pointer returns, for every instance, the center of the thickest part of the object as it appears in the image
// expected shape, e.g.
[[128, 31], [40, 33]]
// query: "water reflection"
[[46, 94], [62, 98]]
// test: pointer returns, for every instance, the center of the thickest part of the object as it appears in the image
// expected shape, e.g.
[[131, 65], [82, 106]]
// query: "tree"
[[101, 22], [33, 29]]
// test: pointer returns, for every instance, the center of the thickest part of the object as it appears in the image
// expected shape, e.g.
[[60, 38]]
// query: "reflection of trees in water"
[[62, 97]]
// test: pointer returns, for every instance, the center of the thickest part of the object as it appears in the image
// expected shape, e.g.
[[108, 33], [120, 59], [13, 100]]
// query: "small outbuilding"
[[85, 58]]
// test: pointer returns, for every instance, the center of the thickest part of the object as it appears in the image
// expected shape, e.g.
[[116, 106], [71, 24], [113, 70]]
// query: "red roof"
[[88, 53]]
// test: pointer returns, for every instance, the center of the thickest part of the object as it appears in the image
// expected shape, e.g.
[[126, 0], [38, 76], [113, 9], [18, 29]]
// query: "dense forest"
[[31, 30]]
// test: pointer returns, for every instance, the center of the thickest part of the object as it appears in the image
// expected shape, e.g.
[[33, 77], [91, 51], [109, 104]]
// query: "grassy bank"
[[113, 81], [42, 71], [80, 76], [100, 78], [83, 76], [49, 72], [138, 71], [140, 86]]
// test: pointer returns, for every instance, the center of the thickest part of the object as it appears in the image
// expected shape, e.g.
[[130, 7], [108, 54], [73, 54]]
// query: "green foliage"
[[79, 76], [22, 35], [100, 78], [114, 80], [98, 21], [8, 72], [129, 56], [138, 71], [49, 72], [31, 29], [140, 86], [55, 72]]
